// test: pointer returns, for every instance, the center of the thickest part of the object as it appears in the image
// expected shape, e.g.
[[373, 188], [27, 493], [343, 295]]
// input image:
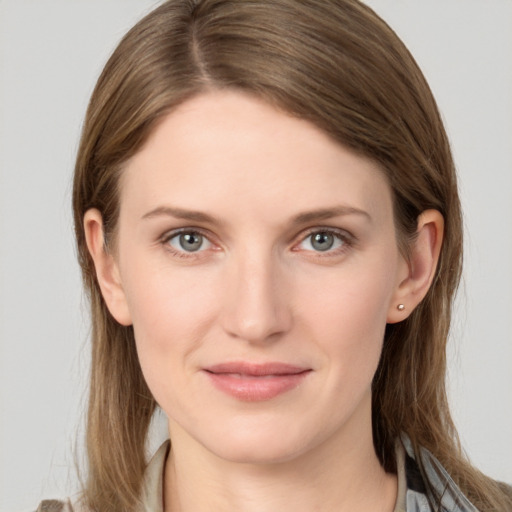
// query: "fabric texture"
[[413, 493], [417, 494], [55, 506]]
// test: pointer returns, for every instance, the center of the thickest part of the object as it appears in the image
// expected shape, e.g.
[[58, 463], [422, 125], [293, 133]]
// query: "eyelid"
[[178, 231], [346, 237], [169, 235]]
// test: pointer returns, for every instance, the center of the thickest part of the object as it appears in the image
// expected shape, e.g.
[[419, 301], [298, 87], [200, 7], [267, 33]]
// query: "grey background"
[[51, 52]]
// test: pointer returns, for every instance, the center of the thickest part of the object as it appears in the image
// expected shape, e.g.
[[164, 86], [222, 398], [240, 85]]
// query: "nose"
[[256, 303]]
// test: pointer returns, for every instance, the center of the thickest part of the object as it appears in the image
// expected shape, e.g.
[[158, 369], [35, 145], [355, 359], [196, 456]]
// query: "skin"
[[258, 290]]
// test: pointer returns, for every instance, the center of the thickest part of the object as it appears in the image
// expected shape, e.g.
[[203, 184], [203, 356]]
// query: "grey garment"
[[152, 499], [55, 506], [412, 491], [442, 485]]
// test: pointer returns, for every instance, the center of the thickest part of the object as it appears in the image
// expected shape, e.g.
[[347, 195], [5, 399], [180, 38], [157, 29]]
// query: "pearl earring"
[[400, 307]]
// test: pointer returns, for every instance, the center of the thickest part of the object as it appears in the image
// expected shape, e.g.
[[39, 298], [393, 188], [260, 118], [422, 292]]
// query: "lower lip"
[[251, 388]]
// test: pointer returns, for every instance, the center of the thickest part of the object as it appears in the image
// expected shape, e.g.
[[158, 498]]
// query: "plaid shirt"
[[416, 497]]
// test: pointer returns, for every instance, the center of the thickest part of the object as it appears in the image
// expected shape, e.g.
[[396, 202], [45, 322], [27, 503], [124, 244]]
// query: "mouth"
[[255, 382]]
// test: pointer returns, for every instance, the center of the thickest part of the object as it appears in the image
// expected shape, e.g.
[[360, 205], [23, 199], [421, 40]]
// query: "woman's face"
[[258, 263]]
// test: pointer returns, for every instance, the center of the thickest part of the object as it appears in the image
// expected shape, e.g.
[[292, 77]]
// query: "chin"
[[260, 453], [259, 444]]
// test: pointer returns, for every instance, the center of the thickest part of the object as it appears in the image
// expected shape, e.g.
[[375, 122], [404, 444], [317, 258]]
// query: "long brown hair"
[[338, 65]]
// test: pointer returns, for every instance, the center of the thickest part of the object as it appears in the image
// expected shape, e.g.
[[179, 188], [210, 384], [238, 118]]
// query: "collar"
[[413, 495], [417, 496], [152, 497]]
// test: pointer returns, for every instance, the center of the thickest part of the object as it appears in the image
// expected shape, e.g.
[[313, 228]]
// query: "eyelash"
[[347, 240], [165, 241]]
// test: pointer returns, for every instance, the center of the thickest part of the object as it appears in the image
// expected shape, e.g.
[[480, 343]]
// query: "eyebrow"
[[179, 213], [328, 213], [300, 218]]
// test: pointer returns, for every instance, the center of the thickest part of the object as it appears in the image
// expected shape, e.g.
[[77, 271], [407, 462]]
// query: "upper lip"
[[256, 369]]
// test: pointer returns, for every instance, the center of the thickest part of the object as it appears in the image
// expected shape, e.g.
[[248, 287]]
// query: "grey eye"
[[322, 241], [189, 241]]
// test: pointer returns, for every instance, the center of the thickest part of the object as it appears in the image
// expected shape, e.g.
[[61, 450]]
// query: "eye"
[[323, 241], [188, 241]]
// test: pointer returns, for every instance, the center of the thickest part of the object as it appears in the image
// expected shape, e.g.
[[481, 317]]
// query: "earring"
[[400, 307]]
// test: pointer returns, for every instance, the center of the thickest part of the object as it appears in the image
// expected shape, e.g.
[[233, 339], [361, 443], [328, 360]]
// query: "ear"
[[420, 268], [107, 270]]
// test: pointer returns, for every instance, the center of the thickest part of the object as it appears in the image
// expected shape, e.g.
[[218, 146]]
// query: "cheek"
[[160, 296], [350, 299], [171, 319], [171, 312], [346, 312]]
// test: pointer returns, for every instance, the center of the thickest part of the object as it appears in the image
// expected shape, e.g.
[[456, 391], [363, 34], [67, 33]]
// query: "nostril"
[[257, 321], [255, 309]]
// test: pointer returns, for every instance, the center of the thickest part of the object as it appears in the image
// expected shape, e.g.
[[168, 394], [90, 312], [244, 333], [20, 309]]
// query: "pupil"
[[191, 241], [322, 241]]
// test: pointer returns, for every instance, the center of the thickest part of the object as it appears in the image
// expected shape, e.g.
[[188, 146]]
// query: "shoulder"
[[506, 488], [429, 486], [56, 506], [152, 496]]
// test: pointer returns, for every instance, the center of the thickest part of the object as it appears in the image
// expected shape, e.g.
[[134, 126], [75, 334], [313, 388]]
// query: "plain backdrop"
[[51, 52]]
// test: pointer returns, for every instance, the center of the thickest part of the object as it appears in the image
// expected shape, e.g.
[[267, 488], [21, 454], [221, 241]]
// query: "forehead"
[[224, 150]]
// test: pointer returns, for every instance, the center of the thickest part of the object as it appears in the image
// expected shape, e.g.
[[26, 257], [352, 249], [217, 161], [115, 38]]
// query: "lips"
[[255, 382]]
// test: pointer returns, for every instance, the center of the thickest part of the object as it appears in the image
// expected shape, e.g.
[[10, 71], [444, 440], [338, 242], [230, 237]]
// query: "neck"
[[342, 474]]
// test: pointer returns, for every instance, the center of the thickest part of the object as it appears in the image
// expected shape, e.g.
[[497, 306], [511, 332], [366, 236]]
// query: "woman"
[[268, 225]]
